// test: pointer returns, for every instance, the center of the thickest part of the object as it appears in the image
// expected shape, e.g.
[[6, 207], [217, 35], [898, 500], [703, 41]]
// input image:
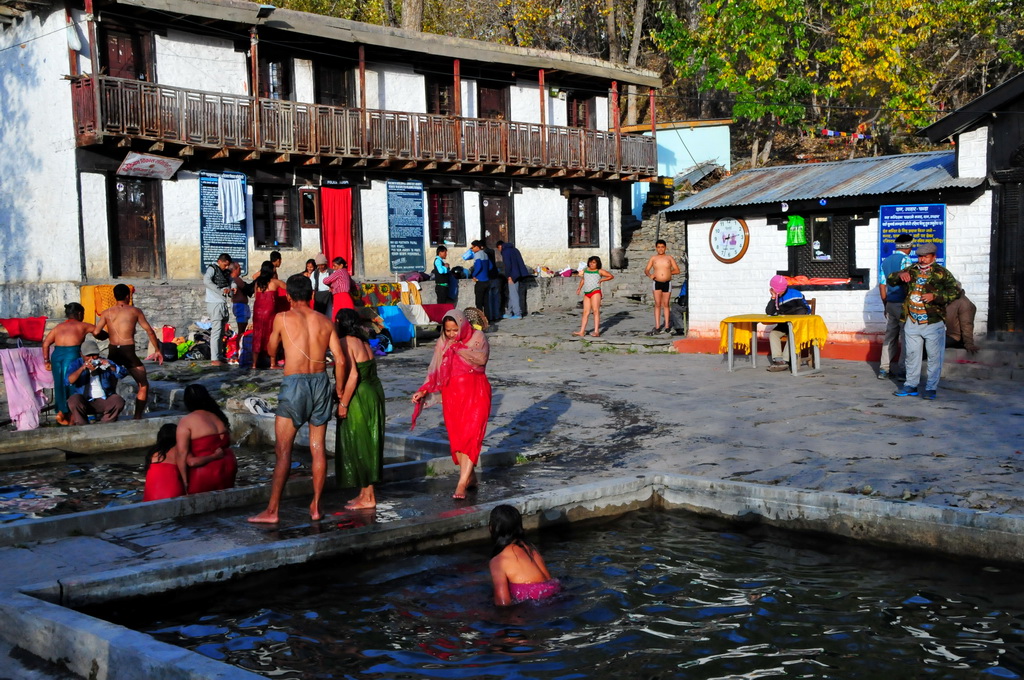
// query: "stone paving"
[[580, 410]]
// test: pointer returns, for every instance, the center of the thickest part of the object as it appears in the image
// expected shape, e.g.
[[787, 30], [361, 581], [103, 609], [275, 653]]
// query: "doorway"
[[137, 238], [495, 222], [1006, 294]]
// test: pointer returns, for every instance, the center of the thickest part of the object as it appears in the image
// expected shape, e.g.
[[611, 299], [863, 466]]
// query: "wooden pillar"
[[617, 127], [362, 101], [543, 119], [254, 77], [457, 84], [654, 128], [94, 61]]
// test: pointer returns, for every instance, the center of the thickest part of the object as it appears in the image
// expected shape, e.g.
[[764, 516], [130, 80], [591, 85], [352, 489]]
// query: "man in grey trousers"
[[218, 289]]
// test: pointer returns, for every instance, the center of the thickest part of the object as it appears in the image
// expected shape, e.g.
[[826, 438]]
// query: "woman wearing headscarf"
[[456, 373], [785, 301]]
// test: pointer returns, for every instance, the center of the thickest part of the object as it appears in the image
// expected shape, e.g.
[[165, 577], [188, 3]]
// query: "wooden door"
[[128, 54], [495, 222], [137, 242]]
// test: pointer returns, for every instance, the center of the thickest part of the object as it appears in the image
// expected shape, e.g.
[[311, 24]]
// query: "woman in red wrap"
[[457, 373], [267, 302], [205, 432]]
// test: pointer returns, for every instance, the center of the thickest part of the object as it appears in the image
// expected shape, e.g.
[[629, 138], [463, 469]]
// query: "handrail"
[[192, 117]]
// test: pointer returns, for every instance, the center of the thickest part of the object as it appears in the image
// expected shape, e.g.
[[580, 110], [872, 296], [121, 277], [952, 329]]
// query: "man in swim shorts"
[[661, 268], [306, 393], [120, 322]]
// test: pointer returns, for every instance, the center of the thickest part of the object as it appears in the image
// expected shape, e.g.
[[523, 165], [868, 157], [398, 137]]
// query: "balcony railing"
[[161, 113]]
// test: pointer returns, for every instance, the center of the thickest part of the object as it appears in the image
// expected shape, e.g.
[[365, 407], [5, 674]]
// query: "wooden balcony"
[[126, 110]]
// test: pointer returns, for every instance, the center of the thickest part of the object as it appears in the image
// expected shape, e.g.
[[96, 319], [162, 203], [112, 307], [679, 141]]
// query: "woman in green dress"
[[359, 447]]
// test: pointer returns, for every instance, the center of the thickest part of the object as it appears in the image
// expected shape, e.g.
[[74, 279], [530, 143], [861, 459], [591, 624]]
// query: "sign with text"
[[222, 229], [147, 165], [406, 226], [926, 223]]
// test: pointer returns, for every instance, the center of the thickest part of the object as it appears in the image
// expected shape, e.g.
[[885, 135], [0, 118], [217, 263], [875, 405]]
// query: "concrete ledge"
[[95, 649], [14, 461], [951, 531], [87, 439]]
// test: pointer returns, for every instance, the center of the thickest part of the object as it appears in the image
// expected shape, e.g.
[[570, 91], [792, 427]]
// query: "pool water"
[[93, 482], [650, 595]]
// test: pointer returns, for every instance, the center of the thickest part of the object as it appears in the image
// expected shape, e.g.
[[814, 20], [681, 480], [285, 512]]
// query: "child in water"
[[590, 284], [517, 569]]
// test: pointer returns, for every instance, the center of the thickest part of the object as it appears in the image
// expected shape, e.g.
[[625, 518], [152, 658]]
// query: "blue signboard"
[[926, 223], [222, 218], [406, 226]]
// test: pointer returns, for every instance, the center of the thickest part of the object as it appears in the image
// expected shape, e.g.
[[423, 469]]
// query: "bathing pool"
[[648, 595]]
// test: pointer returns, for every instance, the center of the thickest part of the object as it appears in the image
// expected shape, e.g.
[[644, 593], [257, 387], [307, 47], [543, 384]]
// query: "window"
[[580, 112], [275, 77], [309, 208], [493, 102], [440, 97], [445, 217], [332, 85], [273, 217], [830, 252], [582, 221]]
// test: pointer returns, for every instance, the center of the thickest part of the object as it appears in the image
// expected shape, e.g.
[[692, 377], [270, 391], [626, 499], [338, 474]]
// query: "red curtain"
[[336, 235]]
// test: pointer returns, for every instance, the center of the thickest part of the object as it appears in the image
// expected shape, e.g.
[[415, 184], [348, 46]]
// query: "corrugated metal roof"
[[910, 172]]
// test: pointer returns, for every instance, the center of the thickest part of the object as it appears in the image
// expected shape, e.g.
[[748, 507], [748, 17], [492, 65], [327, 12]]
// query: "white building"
[[133, 146], [849, 210]]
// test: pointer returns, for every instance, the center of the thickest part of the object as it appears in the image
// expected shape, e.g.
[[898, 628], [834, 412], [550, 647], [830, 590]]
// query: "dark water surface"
[[650, 595], [93, 482]]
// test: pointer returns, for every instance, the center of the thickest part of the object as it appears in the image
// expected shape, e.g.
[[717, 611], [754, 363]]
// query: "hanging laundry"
[[231, 197], [25, 377]]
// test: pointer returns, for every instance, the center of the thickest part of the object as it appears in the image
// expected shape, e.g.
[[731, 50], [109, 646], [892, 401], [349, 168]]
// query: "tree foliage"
[[897, 62]]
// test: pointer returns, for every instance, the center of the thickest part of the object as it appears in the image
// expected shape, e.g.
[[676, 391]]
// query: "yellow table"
[[807, 330]]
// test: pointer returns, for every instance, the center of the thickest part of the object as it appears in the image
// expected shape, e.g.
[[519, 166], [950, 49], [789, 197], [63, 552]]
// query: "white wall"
[[602, 115], [39, 208], [304, 88], [374, 210], [201, 63], [470, 105], [181, 226], [972, 153], [719, 290], [95, 225], [400, 89]]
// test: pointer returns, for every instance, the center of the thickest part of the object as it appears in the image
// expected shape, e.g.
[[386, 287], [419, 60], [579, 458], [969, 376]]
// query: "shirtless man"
[[306, 392], [66, 337], [120, 322], [661, 268]]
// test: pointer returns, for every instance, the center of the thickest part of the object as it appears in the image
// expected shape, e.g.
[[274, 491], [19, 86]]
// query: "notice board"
[[406, 227], [926, 223], [216, 233]]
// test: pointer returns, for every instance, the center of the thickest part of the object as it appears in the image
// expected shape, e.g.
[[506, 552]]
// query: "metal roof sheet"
[[858, 177]]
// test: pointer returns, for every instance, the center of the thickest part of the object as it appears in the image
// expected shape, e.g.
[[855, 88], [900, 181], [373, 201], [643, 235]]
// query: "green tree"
[[894, 62]]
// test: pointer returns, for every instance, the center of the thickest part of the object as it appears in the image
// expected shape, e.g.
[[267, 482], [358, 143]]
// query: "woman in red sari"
[[205, 433], [457, 373], [266, 305]]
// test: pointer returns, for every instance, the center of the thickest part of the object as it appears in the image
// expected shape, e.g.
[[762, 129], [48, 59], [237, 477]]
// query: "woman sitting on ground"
[[163, 476], [517, 569], [201, 434]]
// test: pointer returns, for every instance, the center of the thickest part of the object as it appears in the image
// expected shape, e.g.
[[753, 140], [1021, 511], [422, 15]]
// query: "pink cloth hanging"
[[25, 378]]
